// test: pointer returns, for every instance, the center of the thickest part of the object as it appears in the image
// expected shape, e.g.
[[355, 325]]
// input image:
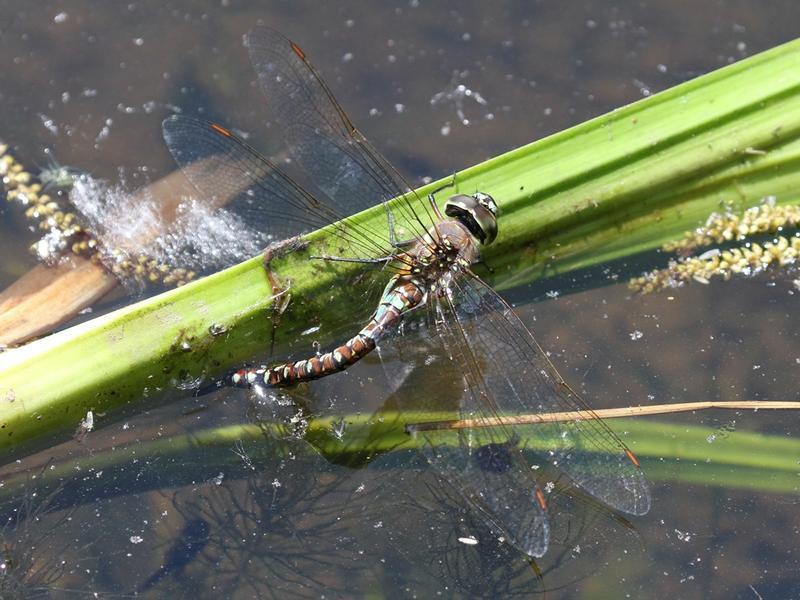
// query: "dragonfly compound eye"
[[478, 213], [487, 202]]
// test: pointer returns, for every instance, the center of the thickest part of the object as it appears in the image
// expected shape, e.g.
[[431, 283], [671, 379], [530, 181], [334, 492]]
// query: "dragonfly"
[[504, 372]]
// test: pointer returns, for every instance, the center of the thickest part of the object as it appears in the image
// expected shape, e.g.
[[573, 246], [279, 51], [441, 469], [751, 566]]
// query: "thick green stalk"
[[619, 184]]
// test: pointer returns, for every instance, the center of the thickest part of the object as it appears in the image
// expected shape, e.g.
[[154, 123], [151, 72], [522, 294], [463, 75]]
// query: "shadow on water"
[[266, 516], [44, 550]]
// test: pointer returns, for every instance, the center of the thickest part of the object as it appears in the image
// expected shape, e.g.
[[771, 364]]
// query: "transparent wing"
[[511, 375], [224, 167], [486, 465], [320, 136], [506, 374]]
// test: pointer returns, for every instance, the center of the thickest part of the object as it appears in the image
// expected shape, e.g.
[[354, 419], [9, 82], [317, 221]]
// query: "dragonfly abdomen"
[[401, 295]]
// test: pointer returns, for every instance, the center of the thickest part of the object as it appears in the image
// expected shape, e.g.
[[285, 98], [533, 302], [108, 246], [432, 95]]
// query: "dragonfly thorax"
[[448, 247], [452, 244]]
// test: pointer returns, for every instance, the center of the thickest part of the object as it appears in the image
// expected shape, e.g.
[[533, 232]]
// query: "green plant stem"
[[740, 459]]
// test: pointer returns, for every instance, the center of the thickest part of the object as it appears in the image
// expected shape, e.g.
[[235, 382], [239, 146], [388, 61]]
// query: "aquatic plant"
[[747, 259], [64, 230]]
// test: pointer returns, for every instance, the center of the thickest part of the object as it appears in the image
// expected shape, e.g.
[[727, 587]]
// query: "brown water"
[[272, 518]]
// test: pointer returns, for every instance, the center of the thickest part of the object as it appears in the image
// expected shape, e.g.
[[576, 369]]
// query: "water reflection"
[[37, 552], [452, 542], [190, 541], [266, 515]]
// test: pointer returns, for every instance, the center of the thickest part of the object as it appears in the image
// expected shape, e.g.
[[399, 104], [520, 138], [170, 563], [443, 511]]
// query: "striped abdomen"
[[402, 294]]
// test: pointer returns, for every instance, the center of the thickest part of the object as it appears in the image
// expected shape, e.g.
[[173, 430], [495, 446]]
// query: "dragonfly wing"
[[486, 465], [321, 137], [224, 167], [494, 478], [508, 374]]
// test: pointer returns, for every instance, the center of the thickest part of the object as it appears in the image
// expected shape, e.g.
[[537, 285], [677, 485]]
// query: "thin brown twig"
[[608, 413]]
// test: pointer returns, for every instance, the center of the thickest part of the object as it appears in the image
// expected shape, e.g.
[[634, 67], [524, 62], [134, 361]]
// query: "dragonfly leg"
[[280, 290], [382, 260], [403, 243], [393, 241], [390, 223], [432, 199]]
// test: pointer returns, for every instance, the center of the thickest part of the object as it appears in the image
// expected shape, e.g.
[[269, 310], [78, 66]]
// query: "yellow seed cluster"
[[749, 259], [146, 269], [20, 187], [720, 228]]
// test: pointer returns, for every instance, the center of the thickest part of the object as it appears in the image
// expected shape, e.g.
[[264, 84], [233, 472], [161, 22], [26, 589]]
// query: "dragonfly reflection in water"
[[505, 372]]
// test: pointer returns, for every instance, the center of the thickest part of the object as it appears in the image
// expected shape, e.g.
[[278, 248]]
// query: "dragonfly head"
[[478, 213]]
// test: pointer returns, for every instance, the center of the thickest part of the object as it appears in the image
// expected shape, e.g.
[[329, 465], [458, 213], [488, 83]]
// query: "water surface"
[[123, 511]]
